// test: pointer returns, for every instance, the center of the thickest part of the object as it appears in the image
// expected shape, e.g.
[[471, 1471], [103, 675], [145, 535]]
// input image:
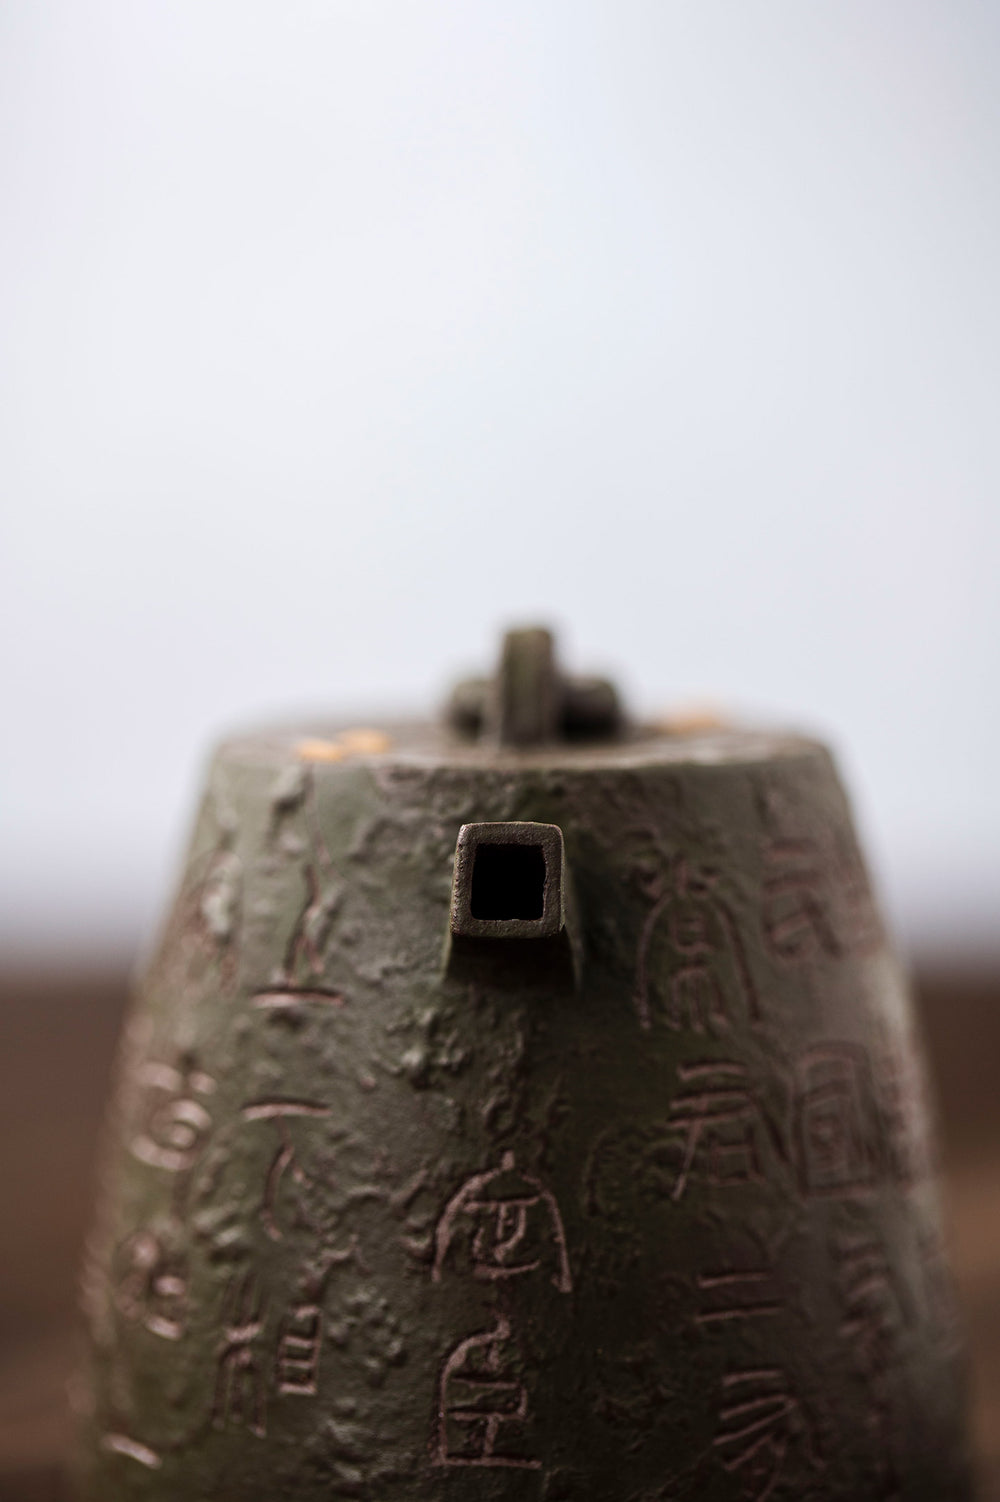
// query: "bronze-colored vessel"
[[525, 1107]]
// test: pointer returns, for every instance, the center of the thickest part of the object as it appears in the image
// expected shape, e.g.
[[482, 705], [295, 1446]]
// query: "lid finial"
[[529, 701]]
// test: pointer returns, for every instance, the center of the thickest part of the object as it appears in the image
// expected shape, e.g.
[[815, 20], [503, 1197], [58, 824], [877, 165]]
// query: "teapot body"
[[402, 1202]]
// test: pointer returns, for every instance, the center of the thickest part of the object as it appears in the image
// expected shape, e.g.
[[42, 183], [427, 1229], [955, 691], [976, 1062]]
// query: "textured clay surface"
[[654, 1223]]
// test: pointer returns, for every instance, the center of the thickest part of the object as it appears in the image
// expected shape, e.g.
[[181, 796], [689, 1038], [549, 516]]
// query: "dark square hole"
[[508, 881]]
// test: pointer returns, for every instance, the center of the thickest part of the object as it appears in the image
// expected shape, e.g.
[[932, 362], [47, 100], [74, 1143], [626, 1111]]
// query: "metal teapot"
[[524, 1106]]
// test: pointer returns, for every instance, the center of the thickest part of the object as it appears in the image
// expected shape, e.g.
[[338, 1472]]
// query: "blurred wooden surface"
[[57, 1036]]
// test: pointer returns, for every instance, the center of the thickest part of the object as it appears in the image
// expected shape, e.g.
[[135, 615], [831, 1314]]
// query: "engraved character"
[[300, 1338], [758, 1421], [815, 897], [514, 1223], [296, 830], [479, 1408], [736, 1295], [900, 1089], [123, 1444], [152, 1287], [285, 1171], [691, 954], [239, 1387], [719, 1124], [796, 917], [859, 924], [175, 1120], [833, 1120], [299, 1347], [869, 1326]]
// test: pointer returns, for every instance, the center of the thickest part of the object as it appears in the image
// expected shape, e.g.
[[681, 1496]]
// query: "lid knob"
[[529, 702]]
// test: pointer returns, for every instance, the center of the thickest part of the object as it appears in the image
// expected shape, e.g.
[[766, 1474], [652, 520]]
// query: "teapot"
[[521, 1105]]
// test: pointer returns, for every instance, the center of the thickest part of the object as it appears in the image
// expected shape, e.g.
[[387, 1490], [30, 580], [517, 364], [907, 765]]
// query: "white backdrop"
[[335, 335]]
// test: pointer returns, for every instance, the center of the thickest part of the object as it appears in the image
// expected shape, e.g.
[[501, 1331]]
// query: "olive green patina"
[[591, 1164]]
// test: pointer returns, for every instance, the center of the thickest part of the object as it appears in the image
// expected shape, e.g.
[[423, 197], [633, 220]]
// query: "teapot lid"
[[529, 713]]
